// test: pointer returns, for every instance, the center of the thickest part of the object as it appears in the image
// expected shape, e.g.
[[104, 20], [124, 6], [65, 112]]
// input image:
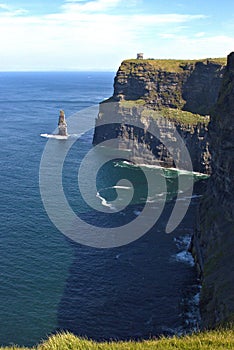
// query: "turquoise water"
[[50, 283]]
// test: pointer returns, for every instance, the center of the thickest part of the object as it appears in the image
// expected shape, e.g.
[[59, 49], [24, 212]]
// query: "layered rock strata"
[[213, 241]]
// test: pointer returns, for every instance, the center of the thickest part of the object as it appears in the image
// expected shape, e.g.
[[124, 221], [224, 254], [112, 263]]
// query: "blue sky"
[[99, 34]]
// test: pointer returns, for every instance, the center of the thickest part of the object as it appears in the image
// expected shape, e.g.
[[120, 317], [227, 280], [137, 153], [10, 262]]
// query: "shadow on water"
[[135, 291]]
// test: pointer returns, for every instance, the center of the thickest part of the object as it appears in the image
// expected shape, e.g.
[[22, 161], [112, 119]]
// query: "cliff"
[[164, 93], [213, 242], [191, 85], [171, 92], [142, 132]]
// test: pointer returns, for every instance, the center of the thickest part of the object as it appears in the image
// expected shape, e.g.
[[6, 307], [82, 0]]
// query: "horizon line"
[[56, 71]]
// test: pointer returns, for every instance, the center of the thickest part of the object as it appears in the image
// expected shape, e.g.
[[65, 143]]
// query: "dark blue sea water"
[[50, 283]]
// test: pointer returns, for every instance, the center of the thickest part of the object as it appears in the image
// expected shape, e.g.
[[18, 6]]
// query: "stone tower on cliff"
[[62, 125], [140, 56]]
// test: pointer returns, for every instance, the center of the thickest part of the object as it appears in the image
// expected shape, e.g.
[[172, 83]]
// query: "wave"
[[119, 187], [192, 313], [189, 197], [168, 171], [53, 136], [184, 256], [136, 212], [183, 241], [104, 202], [60, 137], [102, 193], [158, 197]]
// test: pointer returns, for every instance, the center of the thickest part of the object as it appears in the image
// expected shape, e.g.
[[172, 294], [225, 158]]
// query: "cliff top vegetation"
[[179, 116], [169, 65], [172, 114]]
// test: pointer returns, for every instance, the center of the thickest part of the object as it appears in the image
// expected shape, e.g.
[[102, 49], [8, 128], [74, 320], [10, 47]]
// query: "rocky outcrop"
[[189, 85], [135, 132], [162, 92], [62, 125], [213, 241]]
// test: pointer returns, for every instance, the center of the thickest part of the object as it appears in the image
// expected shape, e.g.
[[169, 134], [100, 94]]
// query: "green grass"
[[176, 115], [132, 103], [184, 117], [212, 340], [172, 114], [169, 65]]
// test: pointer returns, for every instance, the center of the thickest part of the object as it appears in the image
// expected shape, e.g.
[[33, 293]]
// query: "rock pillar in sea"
[[62, 125]]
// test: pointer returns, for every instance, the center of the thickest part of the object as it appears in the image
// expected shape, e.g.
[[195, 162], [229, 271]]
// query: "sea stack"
[[62, 125]]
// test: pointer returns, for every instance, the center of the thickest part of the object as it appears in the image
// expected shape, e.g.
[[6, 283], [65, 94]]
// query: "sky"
[[98, 34]]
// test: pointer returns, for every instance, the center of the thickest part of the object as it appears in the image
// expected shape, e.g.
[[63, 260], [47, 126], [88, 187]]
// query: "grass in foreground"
[[212, 340]]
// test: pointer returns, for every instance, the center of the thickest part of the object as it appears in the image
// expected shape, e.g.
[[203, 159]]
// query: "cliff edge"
[[165, 93], [213, 241], [190, 85], [185, 93]]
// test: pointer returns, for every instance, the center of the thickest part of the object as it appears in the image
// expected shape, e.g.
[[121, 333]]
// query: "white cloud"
[[75, 1], [8, 11], [90, 6], [79, 37], [200, 34], [170, 18], [167, 35], [198, 47], [4, 7]]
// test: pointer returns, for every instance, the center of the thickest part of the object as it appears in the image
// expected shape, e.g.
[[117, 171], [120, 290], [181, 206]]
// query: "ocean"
[[49, 282]]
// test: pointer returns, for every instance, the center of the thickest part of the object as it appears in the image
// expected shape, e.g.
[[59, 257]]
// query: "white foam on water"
[[183, 241], [192, 316], [60, 137], [196, 298], [184, 257], [122, 187], [151, 166], [104, 202], [158, 197], [187, 172], [123, 164], [53, 136], [136, 212], [185, 198], [116, 187], [76, 135]]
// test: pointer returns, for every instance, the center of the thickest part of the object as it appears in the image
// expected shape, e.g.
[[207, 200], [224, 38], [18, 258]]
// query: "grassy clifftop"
[[167, 65], [213, 340], [189, 85], [172, 114]]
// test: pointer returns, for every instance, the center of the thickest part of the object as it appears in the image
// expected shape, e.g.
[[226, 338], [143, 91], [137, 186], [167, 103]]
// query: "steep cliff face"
[[163, 91], [180, 92], [189, 85], [135, 129], [213, 242]]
